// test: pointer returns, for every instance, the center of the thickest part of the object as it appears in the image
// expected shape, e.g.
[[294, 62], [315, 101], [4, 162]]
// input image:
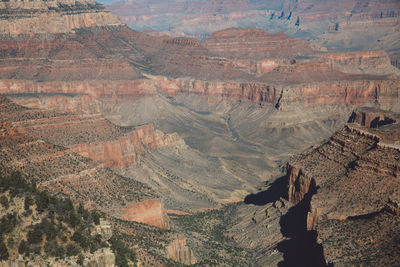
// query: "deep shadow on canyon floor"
[[300, 248]]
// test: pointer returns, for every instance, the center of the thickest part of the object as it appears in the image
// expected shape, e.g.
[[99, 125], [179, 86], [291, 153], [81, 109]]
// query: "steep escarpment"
[[284, 96], [58, 168], [52, 17], [356, 179], [238, 107]]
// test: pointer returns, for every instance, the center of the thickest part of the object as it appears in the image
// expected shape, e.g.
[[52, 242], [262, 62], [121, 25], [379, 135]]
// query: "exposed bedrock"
[[372, 117], [123, 152], [238, 43], [284, 97], [149, 212], [124, 89], [355, 175], [52, 17], [178, 251]]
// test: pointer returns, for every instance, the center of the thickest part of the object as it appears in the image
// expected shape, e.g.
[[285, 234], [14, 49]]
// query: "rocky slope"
[[352, 181], [40, 229], [94, 96]]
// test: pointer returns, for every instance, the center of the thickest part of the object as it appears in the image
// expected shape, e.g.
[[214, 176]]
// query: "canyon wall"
[[351, 177], [123, 152], [178, 251], [53, 17], [313, 94]]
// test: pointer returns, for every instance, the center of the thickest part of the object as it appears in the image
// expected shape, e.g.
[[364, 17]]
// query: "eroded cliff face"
[[123, 152], [354, 173], [178, 251], [149, 212], [39, 149], [52, 17], [286, 97]]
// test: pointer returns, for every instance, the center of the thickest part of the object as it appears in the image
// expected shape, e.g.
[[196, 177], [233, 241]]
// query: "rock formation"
[[255, 43], [136, 124], [150, 212], [180, 252], [353, 179], [52, 17], [339, 25], [101, 258]]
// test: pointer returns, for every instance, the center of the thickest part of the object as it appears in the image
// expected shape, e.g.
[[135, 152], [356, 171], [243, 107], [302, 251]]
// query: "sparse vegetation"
[[212, 225], [55, 227]]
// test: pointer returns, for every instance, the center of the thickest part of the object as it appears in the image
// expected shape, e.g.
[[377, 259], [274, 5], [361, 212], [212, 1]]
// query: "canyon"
[[180, 142], [351, 184], [335, 26]]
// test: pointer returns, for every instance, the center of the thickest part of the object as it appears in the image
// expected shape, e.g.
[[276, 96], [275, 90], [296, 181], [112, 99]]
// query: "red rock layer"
[[149, 212], [58, 169], [178, 251], [314, 94], [52, 17], [255, 44], [123, 152]]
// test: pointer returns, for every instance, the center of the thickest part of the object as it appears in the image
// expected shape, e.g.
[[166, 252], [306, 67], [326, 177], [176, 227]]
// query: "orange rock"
[[149, 212], [178, 251]]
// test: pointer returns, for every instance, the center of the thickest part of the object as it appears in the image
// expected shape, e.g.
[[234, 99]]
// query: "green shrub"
[[7, 223], [122, 252], [10, 242], [4, 202], [23, 248], [3, 252], [28, 202], [72, 250], [95, 217], [79, 238], [80, 259], [60, 252], [50, 248], [49, 229], [35, 236]]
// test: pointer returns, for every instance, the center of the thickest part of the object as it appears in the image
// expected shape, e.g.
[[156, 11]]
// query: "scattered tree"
[[35, 236], [3, 251], [4, 202], [72, 250]]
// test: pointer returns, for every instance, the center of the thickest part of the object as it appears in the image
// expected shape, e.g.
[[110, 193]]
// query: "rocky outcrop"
[[40, 151], [298, 183], [101, 258], [149, 212], [338, 26], [313, 94], [368, 62], [104, 229], [124, 152], [352, 176], [178, 251], [52, 17], [373, 118]]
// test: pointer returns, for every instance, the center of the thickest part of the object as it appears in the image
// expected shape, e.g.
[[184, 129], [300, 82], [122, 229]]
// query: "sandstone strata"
[[53, 17], [354, 174], [149, 212], [180, 252]]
